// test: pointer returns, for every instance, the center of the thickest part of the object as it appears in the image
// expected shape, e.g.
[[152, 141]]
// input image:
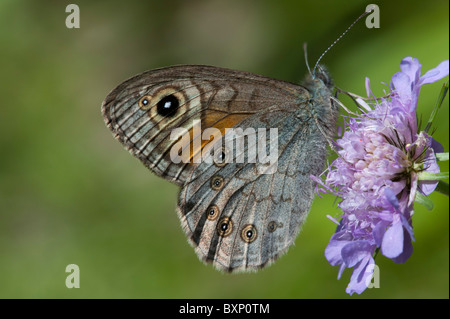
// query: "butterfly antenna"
[[305, 49], [368, 10]]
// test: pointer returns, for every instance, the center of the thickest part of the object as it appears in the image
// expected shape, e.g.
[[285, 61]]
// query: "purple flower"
[[376, 176]]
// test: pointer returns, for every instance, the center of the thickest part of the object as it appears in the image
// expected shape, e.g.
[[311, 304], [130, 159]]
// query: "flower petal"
[[334, 249], [402, 84], [407, 250], [408, 227], [391, 197], [341, 270], [436, 146], [378, 231], [367, 84], [411, 67], [392, 244], [435, 74], [354, 252], [361, 276], [427, 187]]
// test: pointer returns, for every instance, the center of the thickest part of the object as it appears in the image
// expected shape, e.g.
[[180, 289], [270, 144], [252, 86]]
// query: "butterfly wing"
[[236, 215], [204, 95]]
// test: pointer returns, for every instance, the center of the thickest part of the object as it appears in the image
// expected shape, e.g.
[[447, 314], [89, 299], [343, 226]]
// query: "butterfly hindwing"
[[262, 212]]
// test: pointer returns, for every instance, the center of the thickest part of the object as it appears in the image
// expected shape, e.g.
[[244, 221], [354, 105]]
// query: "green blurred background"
[[69, 192]]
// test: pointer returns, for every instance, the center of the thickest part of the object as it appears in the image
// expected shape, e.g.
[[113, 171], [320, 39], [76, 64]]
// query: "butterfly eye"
[[144, 102], [224, 227], [249, 233], [324, 76], [168, 106], [212, 212]]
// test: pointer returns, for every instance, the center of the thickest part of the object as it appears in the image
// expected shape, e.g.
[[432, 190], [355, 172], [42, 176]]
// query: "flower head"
[[376, 176]]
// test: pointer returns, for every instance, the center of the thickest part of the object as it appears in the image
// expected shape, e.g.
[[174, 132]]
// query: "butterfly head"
[[323, 76], [319, 83], [320, 86]]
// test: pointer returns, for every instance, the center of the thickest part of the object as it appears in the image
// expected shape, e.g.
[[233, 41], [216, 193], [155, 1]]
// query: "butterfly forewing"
[[216, 97]]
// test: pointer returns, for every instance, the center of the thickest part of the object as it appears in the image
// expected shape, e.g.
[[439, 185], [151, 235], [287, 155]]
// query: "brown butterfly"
[[234, 215]]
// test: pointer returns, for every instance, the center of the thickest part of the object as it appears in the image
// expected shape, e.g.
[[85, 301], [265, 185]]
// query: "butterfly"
[[236, 215]]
